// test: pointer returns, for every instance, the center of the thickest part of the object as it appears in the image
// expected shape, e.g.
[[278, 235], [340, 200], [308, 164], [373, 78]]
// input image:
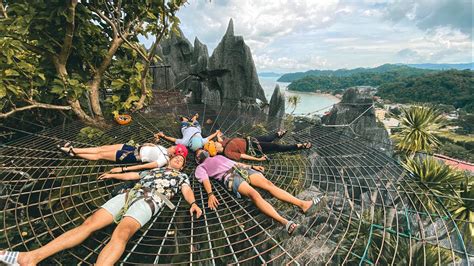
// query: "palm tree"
[[431, 178], [462, 210], [293, 101], [418, 127]]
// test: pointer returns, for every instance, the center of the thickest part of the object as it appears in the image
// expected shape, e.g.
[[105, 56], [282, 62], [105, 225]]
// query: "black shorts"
[[127, 153]]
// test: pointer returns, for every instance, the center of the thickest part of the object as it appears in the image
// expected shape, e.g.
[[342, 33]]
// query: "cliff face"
[[228, 76], [355, 109], [241, 81]]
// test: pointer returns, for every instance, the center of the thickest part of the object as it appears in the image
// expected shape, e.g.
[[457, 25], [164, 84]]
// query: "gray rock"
[[355, 110], [277, 103], [177, 53], [239, 83]]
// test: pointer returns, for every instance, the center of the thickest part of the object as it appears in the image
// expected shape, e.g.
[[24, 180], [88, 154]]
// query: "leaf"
[[3, 91], [118, 83], [11, 72]]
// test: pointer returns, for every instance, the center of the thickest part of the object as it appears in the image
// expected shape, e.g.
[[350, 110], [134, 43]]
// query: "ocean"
[[310, 102]]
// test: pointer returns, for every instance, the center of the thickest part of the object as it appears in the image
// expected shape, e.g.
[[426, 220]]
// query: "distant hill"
[[444, 66], [269, 74], [289, 77], [452, 87]]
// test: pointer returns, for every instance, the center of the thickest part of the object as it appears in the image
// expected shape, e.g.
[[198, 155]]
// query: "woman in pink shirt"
[[239, 178]]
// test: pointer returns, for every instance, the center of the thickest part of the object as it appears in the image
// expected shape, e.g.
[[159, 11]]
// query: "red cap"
[[181, 150]]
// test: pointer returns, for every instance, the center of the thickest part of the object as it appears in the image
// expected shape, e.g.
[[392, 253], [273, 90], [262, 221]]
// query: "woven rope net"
[[376, 213]]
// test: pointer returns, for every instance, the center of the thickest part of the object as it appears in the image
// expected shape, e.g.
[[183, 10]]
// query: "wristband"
[[122, 169], [194, 202], [210, 194]]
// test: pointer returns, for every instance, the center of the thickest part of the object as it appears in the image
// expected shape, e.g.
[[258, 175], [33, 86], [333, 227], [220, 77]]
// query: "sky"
[[298, 35]]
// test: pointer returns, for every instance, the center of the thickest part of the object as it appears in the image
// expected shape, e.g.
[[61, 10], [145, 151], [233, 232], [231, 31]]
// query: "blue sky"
[[296, 35]]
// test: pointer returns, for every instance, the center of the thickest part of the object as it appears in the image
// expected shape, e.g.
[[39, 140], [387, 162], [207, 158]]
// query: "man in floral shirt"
[[156, 186]]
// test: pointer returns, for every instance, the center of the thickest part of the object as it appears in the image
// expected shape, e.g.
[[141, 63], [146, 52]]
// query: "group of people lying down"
[[159, 178]]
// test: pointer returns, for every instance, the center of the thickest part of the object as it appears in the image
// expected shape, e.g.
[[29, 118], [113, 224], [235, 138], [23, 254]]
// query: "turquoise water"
[[310, 102]]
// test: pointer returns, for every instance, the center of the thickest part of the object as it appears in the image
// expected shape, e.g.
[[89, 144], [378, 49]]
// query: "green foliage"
[[290, 77], [462, 210], [451, 87], [32, 42], [434, 179], [362, 77], [418, 127]]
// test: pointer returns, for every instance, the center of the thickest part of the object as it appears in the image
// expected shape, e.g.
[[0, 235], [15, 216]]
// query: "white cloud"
[[297, 35]]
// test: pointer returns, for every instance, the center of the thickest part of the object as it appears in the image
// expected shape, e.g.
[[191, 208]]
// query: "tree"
[[59, 54], [418, 127], [293, 101]]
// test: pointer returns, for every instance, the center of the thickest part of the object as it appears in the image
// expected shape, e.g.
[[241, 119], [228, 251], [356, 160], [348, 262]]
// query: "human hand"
[[116, 170], [160, 134], [212, 202], [105, 176], [258, 168], [195, 209], [219, 133], [263, 158]]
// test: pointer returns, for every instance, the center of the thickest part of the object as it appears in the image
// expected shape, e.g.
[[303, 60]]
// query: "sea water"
[[311, 103]]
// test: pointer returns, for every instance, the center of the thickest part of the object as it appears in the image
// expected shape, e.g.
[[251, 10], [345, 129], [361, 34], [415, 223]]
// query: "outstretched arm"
[[252, 158], [189, 197], [168, 138], [214, 135], [150, 165], [212, 199], [124, 176], [254, 167]]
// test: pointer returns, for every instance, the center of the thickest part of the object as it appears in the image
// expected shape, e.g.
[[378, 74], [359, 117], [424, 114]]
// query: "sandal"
[[9, 257], [304, 146], [281, 133], [69, 148], [294, 229], [318, 204]]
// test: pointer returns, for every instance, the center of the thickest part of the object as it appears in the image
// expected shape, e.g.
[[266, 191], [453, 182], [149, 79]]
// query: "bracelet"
[[194, 202], [210, 194], [122, 169]]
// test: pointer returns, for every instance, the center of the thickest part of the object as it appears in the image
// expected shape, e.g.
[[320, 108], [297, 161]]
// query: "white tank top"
[[155, 153]]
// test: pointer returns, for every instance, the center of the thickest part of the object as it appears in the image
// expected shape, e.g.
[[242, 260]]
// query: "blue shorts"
[[129, 156], [238, 180], [140, 210], [190, 124]]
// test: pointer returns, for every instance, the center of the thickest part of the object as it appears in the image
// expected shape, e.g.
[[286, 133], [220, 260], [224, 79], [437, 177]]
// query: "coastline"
[[327, 95]]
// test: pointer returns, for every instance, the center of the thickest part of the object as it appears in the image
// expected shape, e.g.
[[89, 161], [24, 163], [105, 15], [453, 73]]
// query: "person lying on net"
[[240, 179], [191, 131], [153, 191], [152, 155], [251, 147]]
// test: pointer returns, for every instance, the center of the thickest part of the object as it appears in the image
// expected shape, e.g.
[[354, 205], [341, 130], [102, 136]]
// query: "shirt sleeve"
[[201, 174], [180, 141], [205, 140], [183, 180], [142, 174], [234, 155]]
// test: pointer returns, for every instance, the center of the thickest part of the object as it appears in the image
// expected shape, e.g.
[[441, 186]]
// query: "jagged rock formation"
[[241, 83], [355, 109], [277, 103], [176, 53], [228, 76]]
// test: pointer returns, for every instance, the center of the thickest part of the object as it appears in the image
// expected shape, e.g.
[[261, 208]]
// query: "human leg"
[[95, 150], [106, 155], [274, 147], [246, 190], [258, 180], [111, 253], [71, 238]]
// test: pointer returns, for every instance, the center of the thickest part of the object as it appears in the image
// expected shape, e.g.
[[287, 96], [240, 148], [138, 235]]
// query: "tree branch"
[[31, 47], [34, 105], [3, 10], [107, 20], [67, 43]]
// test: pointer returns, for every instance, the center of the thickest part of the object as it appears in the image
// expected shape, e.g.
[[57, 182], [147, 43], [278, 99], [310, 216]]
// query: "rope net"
[[376, 213]]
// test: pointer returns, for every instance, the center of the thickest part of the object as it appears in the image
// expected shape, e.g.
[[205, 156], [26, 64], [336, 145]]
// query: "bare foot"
[[306, 205]]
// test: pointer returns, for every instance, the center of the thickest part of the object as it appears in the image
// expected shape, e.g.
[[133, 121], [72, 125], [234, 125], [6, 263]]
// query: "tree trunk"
[[97, 79]]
